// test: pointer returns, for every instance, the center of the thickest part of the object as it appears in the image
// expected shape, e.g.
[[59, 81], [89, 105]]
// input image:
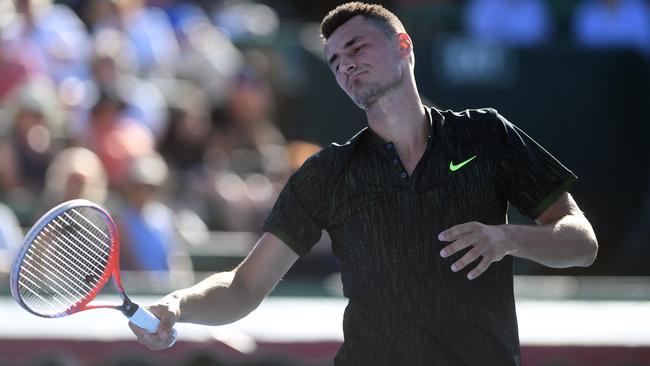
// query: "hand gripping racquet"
[[65, 260]]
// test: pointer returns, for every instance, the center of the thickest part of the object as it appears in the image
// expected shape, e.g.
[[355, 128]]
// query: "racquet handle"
[[144, 319]]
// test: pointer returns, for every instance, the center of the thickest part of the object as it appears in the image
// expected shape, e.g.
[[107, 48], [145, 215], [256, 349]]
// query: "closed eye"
[[352, 52], [357, 49]]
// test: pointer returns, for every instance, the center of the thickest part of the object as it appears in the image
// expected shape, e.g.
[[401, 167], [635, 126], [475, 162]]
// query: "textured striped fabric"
[[406, 307]]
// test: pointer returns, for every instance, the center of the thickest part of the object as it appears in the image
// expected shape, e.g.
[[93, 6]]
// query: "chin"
[[365, 103]]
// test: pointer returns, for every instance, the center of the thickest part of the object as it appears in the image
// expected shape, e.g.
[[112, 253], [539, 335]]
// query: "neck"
[[400, 118]]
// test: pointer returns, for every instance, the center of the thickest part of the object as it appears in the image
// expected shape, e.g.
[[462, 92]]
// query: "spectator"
[[185, 141], [12, 72], [613, 23], [182, 15], [147, 226], [113, 65], [148, 30], [246, 153], [247, 124], [184, 144], [210, 59], [512, 22], [114, 137], [75, 172], [49, 38], [36, 122], [244, 20]]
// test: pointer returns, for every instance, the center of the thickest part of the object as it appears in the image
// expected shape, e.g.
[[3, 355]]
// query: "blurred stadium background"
[[185, 118]]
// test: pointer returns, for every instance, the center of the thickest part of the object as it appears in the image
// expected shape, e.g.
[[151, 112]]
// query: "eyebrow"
[[347, 44]]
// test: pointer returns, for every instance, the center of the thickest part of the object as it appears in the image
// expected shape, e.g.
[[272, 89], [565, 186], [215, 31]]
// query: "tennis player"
[[416, 206]]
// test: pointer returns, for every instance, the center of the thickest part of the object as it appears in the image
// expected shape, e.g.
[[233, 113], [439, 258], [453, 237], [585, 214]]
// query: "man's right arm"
[[223, 297]]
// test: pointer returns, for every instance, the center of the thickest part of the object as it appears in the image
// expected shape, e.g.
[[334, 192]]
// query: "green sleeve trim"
[[548, 201], [286, 239]]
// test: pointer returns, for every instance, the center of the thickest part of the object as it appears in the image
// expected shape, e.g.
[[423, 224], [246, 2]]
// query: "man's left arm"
[[563, 238]]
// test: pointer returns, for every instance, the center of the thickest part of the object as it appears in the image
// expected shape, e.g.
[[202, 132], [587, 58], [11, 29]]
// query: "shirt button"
[[395, 161], [403, 175], [389, 146]]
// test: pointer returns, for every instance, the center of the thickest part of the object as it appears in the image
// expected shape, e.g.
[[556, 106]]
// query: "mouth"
[[354, 78]]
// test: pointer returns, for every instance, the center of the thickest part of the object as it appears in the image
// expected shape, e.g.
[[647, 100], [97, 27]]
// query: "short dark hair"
[[381, 16]]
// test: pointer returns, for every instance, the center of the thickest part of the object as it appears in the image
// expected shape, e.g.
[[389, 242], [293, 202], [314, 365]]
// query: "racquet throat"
[[128, 308]]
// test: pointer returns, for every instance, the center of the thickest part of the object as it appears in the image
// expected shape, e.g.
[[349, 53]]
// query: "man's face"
[[364, 60]]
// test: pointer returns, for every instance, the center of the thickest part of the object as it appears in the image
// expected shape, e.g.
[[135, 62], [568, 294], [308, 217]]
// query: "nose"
[[346, 65]]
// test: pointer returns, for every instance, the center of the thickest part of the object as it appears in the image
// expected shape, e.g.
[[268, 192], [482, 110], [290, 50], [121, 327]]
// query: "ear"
[[405, 44]]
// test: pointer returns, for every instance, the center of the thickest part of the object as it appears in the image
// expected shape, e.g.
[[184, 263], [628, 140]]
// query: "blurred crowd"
[[149, 109], [166, 113]]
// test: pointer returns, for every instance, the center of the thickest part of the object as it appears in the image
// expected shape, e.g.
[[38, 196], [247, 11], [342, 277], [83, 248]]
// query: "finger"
[[159, 343], [468, 258], [165, 327], [157, 310], [167, 321], [155, 342], [479, 269], [139, 332], [144, 337], [457, 231], [457, 246], [171, 340]]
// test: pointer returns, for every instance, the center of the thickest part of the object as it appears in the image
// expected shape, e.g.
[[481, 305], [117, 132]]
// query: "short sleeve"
[[529, 176], [298, 215]]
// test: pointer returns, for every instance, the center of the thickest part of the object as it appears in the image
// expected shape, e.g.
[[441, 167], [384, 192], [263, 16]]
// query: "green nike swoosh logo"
[[453, 167]]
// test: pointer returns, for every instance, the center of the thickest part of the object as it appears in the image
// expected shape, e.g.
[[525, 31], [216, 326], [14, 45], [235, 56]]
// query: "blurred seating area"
[[185, 118]]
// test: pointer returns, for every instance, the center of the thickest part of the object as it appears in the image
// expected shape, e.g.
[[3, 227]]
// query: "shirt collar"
[[432, 115]]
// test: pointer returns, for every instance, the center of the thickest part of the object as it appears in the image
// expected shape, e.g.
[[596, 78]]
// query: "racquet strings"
[[65, 261]]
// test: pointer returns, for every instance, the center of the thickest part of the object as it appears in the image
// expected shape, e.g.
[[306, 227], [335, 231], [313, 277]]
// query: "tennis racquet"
[[65, 260]]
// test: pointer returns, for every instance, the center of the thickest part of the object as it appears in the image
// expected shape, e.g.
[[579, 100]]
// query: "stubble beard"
[[367, 95]]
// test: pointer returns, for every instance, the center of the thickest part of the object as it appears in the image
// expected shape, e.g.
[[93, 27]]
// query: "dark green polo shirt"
[[406, 306]]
